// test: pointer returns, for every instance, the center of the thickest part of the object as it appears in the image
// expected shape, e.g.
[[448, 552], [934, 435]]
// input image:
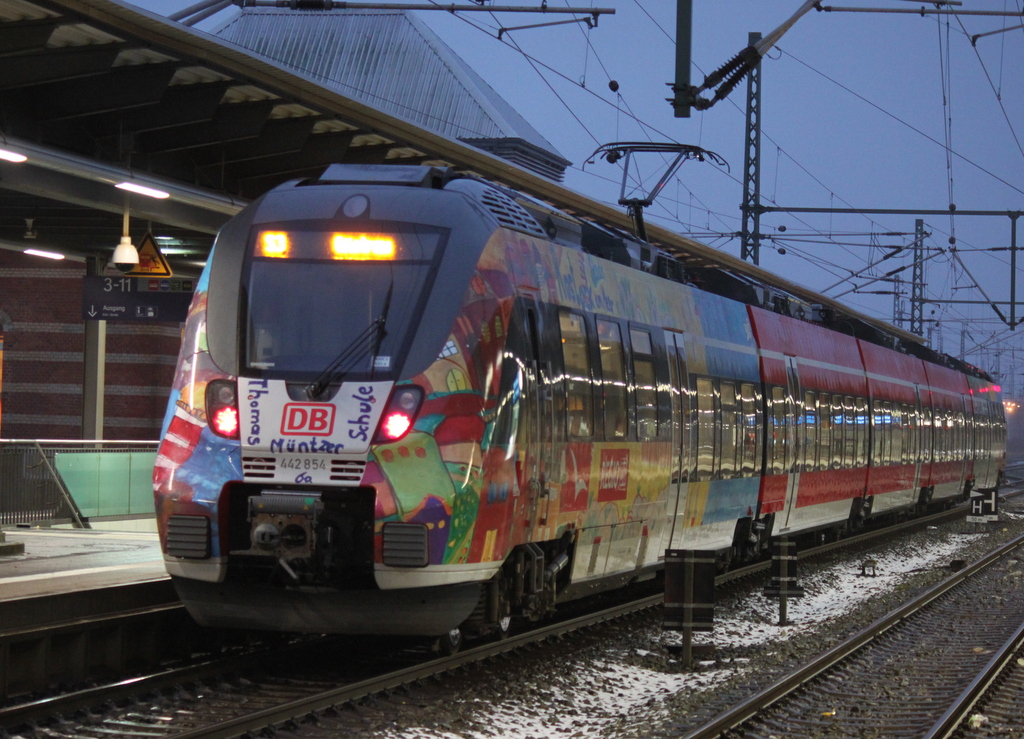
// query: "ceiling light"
[[41, 253], [143, 190], [10, 156]]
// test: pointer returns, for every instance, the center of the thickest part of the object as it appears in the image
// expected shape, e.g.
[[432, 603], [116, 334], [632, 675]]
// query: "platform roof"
[[96, 91]]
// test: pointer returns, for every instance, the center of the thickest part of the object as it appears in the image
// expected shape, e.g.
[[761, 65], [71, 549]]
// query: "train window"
[[958, 435], [808, 455], [928, 434], [890, 429], [914, 429], [706, 451], [942, 431], [849, 433], [897, 433], [751, 430], [915, 433], [779, 431], [824, 432], [646, 385], [681, 402], [838, 432], [613, 371], [860, 406], [640, 342], [730, 430], [877, 421], [947, 436], [579, 394]]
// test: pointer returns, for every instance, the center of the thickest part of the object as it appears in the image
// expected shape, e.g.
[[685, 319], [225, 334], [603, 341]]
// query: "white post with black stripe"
[[784, 580], [689, 595]]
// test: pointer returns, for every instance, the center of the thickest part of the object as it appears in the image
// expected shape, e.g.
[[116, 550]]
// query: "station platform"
[[60, 561]]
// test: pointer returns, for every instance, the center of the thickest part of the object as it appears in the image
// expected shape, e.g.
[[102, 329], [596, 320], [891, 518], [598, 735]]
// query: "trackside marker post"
[[689, 595], [784, 581]]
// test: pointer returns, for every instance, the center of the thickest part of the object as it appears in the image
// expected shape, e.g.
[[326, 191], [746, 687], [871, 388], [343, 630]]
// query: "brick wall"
[[43, 340]]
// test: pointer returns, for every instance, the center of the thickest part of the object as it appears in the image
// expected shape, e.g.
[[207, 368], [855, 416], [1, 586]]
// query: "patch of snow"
[[605, 696], [827, 595], [599, 696]]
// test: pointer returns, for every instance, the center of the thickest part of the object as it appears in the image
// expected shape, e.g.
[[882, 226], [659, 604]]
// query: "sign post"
[[784, 581], [689, 595]]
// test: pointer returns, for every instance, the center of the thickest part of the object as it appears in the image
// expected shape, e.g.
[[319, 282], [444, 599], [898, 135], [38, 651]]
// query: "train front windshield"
[[314, 295]]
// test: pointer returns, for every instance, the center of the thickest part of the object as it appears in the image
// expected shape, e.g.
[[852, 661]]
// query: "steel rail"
[[750, 707], [88, 698], [955, 715], [259, 720], [40, 710]]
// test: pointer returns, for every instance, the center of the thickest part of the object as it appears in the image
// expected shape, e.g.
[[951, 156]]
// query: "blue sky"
[[854, 110]]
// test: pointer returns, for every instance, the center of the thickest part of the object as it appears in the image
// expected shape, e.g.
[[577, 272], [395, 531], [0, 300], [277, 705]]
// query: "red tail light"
[[400, 414], [222, 408]]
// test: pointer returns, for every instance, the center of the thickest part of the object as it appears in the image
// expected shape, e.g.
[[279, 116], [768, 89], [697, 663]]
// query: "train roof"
[[667, 255]]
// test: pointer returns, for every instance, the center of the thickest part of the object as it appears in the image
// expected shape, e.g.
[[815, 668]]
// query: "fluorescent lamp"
[[41, 253], [10, 156], [143, 190]]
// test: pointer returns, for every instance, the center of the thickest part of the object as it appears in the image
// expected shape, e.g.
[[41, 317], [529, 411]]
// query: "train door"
[[783, 419], [536, 427], [681, 436]]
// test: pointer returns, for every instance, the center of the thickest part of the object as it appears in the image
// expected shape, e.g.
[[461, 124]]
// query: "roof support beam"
[[122, 87], [17, 36], [57, 65], [278, 136], [231, 122]]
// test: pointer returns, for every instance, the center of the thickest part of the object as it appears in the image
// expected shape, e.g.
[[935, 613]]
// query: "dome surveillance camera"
[[126, 257]]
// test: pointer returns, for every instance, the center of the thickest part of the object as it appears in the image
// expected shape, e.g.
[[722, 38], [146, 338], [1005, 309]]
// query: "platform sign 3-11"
[[136, 298]]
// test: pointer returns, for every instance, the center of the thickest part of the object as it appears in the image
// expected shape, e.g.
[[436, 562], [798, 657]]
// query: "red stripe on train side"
[[829, 486]]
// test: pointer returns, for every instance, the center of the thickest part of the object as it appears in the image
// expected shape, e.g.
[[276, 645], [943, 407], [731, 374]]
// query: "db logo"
[[307, 419]]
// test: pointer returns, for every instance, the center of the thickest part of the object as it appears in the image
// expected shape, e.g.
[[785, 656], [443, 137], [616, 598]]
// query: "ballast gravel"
[[625, 679]]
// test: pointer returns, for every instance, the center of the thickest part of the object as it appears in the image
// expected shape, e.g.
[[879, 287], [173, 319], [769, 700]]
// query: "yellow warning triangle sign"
[[151, 261]]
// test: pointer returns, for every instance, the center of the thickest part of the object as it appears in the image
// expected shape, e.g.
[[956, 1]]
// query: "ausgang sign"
[[136, 299]]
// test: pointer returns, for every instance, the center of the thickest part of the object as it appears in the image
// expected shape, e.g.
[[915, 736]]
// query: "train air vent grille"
[[347, 472], [405, 545], [509, 213], [259, 467], [188, 536]]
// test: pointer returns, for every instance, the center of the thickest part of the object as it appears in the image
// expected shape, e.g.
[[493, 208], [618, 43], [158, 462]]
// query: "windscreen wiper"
[[368, 340], [382, 329]]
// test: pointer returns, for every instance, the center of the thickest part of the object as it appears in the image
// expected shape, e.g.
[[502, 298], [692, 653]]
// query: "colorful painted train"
[[413, 402]]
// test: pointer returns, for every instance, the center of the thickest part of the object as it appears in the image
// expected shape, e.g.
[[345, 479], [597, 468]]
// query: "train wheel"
[[451, 642]]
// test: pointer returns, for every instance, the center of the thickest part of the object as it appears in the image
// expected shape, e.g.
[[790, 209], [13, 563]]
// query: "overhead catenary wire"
[[621, 106], [908, 125]]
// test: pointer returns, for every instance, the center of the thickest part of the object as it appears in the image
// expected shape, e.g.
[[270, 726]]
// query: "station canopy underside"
[[95, 92]]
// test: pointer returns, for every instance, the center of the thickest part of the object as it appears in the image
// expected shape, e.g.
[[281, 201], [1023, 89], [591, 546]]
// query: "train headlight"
[[222, 408], [400, 414]]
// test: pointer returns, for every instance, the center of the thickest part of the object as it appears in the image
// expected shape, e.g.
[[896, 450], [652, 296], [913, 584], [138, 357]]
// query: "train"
[[411, 401]]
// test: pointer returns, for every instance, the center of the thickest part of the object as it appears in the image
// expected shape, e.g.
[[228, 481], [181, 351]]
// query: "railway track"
[[905, 672], [204, 700]]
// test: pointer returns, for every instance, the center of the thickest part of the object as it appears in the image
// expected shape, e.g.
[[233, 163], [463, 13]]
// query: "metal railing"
[[69, 481]]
